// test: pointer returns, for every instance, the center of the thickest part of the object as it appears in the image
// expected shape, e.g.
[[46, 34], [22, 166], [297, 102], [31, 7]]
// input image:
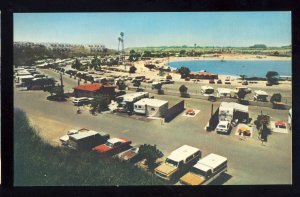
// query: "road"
[[248, 161]]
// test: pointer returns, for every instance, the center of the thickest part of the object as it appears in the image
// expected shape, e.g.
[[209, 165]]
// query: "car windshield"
[[198, 171], [222, 126], [136, 150], [109, 144], [172, 162]]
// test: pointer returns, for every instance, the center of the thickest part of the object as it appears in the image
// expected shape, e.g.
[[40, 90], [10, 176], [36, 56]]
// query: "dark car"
[[212, 81], [219, 81]]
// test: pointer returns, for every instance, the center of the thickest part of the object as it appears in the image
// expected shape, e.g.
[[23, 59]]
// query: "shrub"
[[37, 163], [183, 90], [275, 98], [151, 154]]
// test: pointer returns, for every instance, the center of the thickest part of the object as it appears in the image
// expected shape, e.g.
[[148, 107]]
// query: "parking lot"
[[248, 161]]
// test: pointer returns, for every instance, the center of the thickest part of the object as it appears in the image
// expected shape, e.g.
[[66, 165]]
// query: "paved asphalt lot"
[[248, 161]]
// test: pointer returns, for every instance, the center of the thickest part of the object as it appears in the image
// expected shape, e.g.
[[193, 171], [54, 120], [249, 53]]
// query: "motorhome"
[[223, 92], [151, 107], [229, 111], [178, 162], [87, 140], [207, 90], [260, 95], [126, 101], [205, 170], [22, 80]]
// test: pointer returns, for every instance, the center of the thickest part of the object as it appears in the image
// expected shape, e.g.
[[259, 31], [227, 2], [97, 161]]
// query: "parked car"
[[131, 155], [219, 81], [81, 101], [268, 83], [245, 82], [223, 127], [113, 146], [212, 81]]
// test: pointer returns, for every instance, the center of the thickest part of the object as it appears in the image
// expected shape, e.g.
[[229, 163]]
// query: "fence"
[[174, 111]]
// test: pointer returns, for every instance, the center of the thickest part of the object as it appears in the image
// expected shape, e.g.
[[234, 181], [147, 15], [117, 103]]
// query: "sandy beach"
[[153, 74]]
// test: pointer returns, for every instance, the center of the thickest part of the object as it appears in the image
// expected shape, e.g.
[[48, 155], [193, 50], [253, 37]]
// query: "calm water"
[[257, 68]]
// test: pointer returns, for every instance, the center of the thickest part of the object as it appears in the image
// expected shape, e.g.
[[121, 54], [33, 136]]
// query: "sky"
[[143, 29]]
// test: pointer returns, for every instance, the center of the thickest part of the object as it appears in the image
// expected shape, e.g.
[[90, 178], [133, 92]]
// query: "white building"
[[151, 107]]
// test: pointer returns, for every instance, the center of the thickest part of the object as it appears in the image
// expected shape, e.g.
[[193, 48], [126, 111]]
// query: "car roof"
[[115, 140]]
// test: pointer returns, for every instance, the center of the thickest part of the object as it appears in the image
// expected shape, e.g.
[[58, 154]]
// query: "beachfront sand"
[[153, 74]]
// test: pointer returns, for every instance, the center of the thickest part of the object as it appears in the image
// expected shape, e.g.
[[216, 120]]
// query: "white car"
[[81, 101], [223, 127]]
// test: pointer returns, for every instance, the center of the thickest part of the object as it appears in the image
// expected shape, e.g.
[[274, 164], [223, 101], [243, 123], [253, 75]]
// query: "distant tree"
[[276, 53], [151, 154], [183, 90], [137, 84], [77, 65], [241, 94], [132, 69], [276, 98], [121, 84], [184, 71], [243, 77], [96, 63], [262, 123], [99, 103], [262, 46], [56, 93], [272, 77], [147, 54], [182, 52]]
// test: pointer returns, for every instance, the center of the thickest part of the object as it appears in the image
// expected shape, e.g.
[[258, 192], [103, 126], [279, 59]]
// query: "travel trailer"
[[260, 95], [223, 92], [151, 107], [207, 90], [87, 140], [232, 111], [126, 101]]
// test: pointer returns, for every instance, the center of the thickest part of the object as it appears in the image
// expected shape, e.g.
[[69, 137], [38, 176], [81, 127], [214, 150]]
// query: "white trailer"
[[260, 95], [151, 107], [229, 111], [127, 100], [223, 92], [207, 90]]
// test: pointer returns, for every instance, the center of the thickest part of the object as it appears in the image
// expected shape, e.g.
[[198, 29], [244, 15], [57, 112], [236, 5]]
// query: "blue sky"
[[156, 29]]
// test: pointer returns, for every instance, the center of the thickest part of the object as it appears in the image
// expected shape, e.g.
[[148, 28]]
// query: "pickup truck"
[[205, 170]]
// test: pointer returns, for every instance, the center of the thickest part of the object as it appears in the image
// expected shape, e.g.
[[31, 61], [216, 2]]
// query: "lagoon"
[[250, 68]]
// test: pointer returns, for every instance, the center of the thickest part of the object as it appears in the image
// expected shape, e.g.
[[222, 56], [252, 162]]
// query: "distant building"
[[91, 90], [202, 75]]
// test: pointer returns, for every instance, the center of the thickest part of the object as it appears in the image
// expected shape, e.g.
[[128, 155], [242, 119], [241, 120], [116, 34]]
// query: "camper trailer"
[[126, 101], [232, 111], [87, 140], [260, 95], [151, 107], [223, 92], [207, 90]]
